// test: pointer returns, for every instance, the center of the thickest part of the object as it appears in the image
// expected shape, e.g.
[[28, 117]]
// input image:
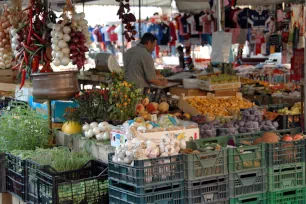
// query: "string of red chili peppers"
[[127, 19]]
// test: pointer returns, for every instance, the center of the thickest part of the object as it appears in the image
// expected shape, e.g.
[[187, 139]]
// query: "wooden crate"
[[6, 76], [187, 92], [225, 92]]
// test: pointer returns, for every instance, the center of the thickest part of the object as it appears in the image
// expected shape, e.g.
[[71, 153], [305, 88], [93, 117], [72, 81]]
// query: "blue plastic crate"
[[149, 172]]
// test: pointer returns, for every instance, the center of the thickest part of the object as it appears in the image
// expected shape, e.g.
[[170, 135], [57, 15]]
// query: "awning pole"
[[139, 29], [219, 26]]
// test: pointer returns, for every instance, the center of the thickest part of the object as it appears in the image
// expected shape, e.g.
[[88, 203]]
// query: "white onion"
[[93, 124], [66, 38], [62, 44], [59, 55], [65, 61], [56, 62], [59, 35], [66, 30], [66, 50], [85, 127]]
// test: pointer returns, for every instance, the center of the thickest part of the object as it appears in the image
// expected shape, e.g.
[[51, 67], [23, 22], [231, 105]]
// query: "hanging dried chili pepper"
[[23, 78]]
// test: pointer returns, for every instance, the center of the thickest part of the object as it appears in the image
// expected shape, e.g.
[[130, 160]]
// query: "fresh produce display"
[[220, 79], [294, 110], [215, 106], [23, 129], [137, 149], [163, 123], [100, 130], [33, 35], [145, 109], [6, 54], [59, 158], [70, 40]]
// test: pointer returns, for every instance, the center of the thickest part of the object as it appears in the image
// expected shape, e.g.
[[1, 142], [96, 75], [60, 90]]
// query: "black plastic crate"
[[7, 101], [209, 190], [88, 184], [158, 196], [289, 121], [15, 176], [2, 173]]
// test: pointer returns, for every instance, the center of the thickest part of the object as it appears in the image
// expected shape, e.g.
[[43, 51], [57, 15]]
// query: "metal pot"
[[55, 85]]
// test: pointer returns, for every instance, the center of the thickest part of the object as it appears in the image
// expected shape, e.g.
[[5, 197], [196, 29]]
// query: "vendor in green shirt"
[[139, 65]]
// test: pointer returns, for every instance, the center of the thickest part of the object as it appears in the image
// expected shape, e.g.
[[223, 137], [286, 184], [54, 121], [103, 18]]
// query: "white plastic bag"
[[221, 47]]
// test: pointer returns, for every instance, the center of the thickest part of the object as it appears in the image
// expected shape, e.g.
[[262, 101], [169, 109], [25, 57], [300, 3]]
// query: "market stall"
[[222, 131]]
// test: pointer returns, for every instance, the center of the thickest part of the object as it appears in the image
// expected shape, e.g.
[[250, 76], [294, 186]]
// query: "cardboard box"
[[59, 109], [118, 136], [187, 92], [23, 94], [62, 108]]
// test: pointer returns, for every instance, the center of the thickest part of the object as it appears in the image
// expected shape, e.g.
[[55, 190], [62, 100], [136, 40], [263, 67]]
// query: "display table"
[[99, 150]]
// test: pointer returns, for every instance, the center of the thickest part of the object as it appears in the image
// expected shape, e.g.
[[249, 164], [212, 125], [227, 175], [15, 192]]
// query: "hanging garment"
[[173, 36], [165, 37], [155, 29], [193, 29], [113, 37]]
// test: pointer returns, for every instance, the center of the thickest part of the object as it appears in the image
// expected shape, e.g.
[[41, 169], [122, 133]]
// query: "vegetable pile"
[[6, 55], [70, 40], [101, 130], [31, 38], [137, 149], [59, 158], [24, 129]]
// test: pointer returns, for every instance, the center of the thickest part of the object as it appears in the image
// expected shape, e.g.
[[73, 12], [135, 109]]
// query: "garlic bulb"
[[96, 131], [165, 139], [169, 149], [183, 144]]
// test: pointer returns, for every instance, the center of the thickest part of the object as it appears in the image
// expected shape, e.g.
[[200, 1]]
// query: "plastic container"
[[210, 190], [2, 173], [288, 176], [147, 189], [207, 163], [15, 176], [247, 182], [146, 173], [159, 196], [260, 198], [246, 158], [285, 153], [88, 184], [289, 121], [290, 196], [226, 131], [190, 83]]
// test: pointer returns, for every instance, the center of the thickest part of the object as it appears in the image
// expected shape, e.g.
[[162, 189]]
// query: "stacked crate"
[[247, 174], [158, 180], [286, 171], [206, 172]]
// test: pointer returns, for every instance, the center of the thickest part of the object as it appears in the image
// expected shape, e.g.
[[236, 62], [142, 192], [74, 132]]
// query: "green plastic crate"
[[260, 198], [246, 158], [210, 190], [285, 153], [252, 136], [207, 163], [247, 182], [287, 176], [291, 196]]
